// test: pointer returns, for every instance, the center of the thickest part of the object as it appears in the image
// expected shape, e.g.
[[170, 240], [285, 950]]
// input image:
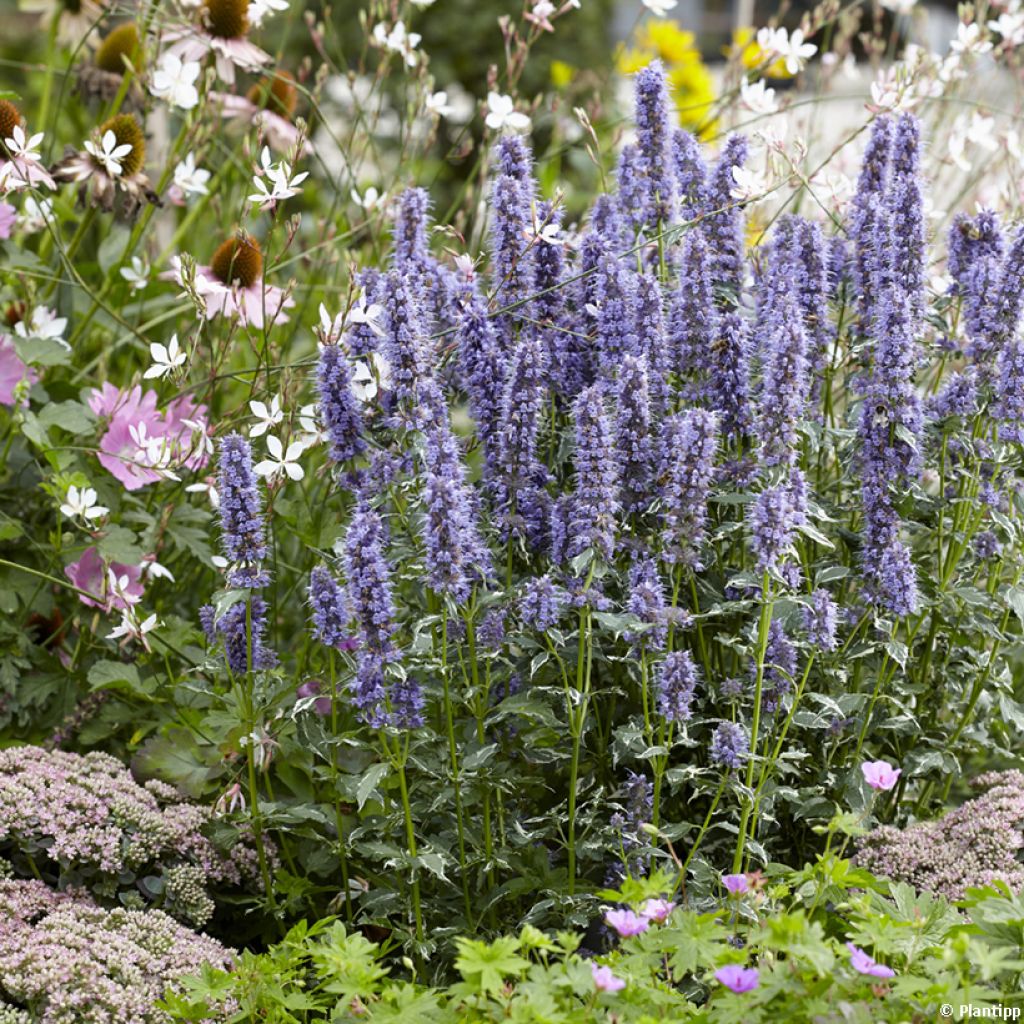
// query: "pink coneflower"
[[604, 979], [223, 31], [12, 372], [864, 964], [233, 286], [117, 586], [270, 106], [112, 161], [20, 165], [880, 775], [625, 922]]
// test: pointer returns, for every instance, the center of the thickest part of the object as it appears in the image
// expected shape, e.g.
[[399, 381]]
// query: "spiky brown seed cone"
[[238, 259], [128, 132], [122, 42], [10, 118], [228, 19], [277, 94]]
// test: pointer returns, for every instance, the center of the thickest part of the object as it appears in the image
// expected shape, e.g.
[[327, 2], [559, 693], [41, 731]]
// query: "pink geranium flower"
[[880, 774], [116, 586], [142, 445], [604, 979], [864, 964], [738, 979], [736, 884], [657, 910], [625, 922], [12, 371]]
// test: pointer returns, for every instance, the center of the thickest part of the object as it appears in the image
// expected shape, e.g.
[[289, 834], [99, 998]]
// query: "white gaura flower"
[[81, 504], [35, 214], [166, 358], [367, 314], [174, 81], [793, 50], [398, 40], [370, 377], [267, 417], [659, 8], [1010, 25], [978, 132], [757, 97], [260, 10], [189, 178], [207, 487], [130, 628], [422, 4], [283, 184], [313, 431], [969, 40], [281, 460], [45, 324], [151, 567], [502, 114], [438, 105], [137, 275], [368, 200], [903, 7], [749, 184], [107, 153]]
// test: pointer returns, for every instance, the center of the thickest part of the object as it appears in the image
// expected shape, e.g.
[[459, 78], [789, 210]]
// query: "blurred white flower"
[[21, 148], [757, 97], [422, 4], [267, 418], [259, 10], [793, 50], [35, 214], [1010, 25], [749, 183], [174, 80], [82, 504], [368, 200], [107, 153], [899, 6], [166, 358], [313, 431], [969, 40], [438, 105], [398, 40], [365, 314], [281, 461], [137, 275], [190, 178], [207, 487], [978, 131], [502, 113], [370, 377], [659, 8]]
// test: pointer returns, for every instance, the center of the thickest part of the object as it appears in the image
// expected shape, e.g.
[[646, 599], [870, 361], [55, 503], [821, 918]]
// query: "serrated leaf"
[[369, 781]]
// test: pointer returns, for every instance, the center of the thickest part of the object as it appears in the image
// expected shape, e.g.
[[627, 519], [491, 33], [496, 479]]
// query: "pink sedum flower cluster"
[[66, 960]]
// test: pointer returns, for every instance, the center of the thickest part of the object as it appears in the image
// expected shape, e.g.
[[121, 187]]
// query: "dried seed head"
[[227, 19], [238, 259], [277, 94], [10, 118], [128, 132], [122, 42]]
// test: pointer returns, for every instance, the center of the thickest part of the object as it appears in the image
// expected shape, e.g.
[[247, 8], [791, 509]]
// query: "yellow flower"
[[689, 78], [561, 73], [746, 48]]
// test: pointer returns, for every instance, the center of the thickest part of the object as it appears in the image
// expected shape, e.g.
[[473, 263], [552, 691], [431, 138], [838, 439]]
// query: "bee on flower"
[[111, 162]]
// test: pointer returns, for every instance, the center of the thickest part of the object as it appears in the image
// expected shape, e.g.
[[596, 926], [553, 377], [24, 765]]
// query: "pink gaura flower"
[[142, 444], [625, 922], [12, 371], [605, 980], [880, 774], [116, 586], [736, 884], [657, 910], [864, 964], [233, 286], [738, 979]]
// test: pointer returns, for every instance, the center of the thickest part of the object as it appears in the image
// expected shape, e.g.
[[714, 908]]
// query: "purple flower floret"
[[241, 514]]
